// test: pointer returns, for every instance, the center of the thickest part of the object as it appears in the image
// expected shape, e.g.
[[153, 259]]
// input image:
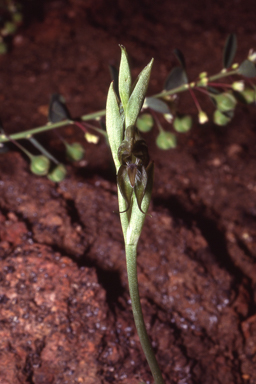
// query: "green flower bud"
[[225, 101], [75, 151], [183, 123], [145, 122], [238, 86], [220, 118], [203, 75], [252, 56], [166, 140], [204, 81], [91, 138], [202, 117], [40, 165], [58, 173], [168, 117]]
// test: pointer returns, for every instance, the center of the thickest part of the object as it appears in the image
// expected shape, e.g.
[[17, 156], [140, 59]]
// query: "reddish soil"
[[65, 315]]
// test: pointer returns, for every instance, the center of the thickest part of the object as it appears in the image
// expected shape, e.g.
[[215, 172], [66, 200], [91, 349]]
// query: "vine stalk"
[[93, 116]]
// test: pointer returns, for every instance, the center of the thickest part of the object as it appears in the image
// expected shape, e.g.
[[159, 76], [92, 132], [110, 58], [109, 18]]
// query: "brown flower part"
[[133, 173]]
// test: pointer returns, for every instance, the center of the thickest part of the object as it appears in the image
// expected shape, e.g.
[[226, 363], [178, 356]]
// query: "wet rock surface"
[[53, 316]]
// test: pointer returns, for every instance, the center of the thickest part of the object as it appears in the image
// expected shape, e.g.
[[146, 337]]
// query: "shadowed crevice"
[[208, 226], [110, 280]]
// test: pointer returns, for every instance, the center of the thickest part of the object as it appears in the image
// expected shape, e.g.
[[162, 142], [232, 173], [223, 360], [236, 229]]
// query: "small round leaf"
[[166, 140], [57, 109], [156, 104], [182, 123], [249, 95], [40, 165], [220, 118], [247, 69], [179, 55], [74, 151], [57, 174], [229, 50], [176, 78], [145, 122], [225, 101]]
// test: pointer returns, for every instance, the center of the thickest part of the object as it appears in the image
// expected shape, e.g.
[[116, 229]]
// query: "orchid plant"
[[134, 179]]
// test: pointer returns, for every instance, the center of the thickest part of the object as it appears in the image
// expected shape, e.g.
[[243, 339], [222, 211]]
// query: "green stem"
[[24, 150], [49, 126], [159, 126], [131, 261], [124, 217], [96, 115], [29, 133], [43, 150], [181, 88], [96, 129], [223, 74]]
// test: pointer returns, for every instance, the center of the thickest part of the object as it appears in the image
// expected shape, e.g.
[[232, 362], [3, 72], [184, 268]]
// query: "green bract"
[[125, 79], [137, 96], [114, 124]]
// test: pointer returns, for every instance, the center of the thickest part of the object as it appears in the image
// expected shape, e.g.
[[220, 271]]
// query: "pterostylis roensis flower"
[[135, 169]]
